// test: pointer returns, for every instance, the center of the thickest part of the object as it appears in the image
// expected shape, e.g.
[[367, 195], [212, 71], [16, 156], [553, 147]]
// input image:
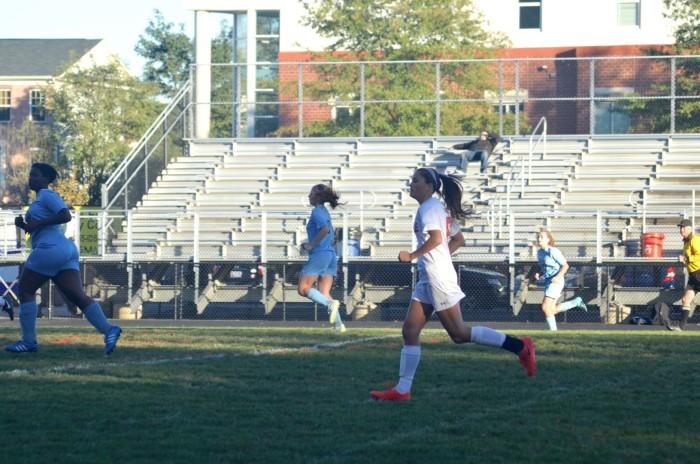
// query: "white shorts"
[[553, 289], [441, 297]]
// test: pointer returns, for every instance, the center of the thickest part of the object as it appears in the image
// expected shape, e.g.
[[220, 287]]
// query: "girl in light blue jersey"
[[554, 267], [322, 266], [53, 257]]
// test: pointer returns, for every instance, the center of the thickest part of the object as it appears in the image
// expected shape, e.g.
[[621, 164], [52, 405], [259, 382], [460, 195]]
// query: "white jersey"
[[436, 265]]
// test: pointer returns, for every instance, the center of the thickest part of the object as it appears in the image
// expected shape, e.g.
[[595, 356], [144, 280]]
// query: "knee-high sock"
[[567, 305], [27, 321], [318, 297], [93, 313], [486, 336], [685, 315], [489, 337], [410, 358], [552, 322]]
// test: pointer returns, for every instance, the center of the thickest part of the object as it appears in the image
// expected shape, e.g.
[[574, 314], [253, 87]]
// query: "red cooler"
[[653, 245]]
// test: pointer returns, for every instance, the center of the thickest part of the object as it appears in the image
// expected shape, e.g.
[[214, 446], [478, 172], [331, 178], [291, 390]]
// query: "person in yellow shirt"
[[691, 258]]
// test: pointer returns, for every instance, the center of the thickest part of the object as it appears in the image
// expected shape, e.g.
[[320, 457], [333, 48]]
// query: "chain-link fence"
[[626, 291], [592, 96]]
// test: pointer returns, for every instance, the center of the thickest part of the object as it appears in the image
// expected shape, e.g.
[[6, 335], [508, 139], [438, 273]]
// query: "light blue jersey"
[[51, 252], [47, 203], [550, 260], [319, 219]]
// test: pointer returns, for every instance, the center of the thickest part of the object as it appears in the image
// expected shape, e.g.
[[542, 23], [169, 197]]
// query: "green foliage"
[[394, 31], [98, 113], [654, 116], [168, 51]]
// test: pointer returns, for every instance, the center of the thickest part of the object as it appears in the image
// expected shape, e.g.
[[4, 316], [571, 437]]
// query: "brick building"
[[27, 68], [269, 33]]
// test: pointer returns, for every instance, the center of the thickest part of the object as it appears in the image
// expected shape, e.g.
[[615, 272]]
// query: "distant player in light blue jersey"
[[53, 257], [321, 268], [554, 267]]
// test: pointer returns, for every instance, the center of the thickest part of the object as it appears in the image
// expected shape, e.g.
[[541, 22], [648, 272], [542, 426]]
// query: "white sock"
[[410, 357], [488, 337], [552, 322]]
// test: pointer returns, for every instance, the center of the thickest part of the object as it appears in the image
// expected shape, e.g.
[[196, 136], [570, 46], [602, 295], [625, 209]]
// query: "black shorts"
[[694, 281]]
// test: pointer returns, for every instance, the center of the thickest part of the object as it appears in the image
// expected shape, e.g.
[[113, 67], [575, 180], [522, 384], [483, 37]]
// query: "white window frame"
[[638, 22], [7, 105], [521, 4], [42, 94]]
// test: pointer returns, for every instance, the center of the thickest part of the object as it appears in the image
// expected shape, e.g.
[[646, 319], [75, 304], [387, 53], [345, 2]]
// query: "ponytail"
[[450, 189]]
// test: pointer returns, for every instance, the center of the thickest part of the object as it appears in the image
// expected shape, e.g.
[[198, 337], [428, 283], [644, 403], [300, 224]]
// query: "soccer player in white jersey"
[[437, 289], [554, 267]]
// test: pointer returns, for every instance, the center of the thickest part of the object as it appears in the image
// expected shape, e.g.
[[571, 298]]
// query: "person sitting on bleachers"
[[479, 149]]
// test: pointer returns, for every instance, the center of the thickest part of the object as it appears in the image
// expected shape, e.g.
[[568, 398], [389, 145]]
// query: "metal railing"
[[134, 175]]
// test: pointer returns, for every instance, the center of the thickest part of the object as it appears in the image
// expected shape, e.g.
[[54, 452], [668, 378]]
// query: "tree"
[[410, 30], [98, 113], [168, 52], [654, 115]]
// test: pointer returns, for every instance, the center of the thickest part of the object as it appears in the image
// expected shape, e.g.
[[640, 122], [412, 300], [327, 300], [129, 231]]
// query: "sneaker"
[[333, 311], [7, 307], [340, 329], [390, 395], [527, 356], [22, 347], [580, 304], [673, 328], [111, 338]]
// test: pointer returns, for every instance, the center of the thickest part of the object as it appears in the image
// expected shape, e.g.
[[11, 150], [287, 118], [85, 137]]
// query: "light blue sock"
[[93, 313], [318, 297], [338, 321], [552, 322], [27, 321], [573, 303]]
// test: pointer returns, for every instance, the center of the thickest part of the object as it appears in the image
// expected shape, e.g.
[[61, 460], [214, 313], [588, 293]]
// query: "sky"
[[118, 22]]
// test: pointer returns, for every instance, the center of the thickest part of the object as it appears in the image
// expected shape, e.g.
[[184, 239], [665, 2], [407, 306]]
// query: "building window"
[[267, 46], [510, 100], [36, 104], [530, 14], [5, 99], [628, 13]]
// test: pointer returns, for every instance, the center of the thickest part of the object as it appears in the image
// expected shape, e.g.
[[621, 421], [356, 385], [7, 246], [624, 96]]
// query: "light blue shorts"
[[50, 259], [553, 289], [321, 263]]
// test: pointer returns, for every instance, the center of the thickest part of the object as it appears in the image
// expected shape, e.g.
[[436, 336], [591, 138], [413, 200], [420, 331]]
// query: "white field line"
[[185, 359]]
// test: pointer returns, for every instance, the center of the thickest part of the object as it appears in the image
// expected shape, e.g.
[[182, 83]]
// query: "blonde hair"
[[549, 235]]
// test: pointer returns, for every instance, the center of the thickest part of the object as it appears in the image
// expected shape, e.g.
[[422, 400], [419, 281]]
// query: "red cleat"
[[527, 356], [390, 395]]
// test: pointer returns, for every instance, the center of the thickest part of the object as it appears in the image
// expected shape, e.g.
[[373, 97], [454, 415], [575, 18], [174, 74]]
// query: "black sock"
[[684, 319], [513, 344]]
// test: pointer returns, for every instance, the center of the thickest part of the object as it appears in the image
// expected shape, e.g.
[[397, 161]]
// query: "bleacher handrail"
[[120, 171]]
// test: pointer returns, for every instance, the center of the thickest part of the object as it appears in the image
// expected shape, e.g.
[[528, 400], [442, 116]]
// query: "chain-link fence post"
[[195, 257], [673, 95], [437, 99], [511, 261], [300, 100], [591, 96], [362, 99]]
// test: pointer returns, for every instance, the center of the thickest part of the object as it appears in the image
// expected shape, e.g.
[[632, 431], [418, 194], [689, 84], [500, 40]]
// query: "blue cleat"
[[22, 347], [111, 338]]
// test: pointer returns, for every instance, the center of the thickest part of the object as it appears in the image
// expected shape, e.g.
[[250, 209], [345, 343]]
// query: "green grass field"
[[301, 395]]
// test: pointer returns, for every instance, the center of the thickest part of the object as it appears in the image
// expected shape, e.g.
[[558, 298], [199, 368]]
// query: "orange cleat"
[[527, 356], [390, 395]]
